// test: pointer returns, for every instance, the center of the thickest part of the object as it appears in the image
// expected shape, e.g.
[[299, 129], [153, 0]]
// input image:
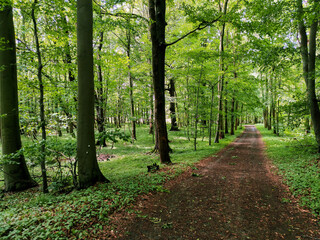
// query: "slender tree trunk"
[[41, 103], [100, 100], [133, 120], [173, 116], [88, 168], [151, 116], [71, 78], [211, 114], [241, 116], [16, 176], [226, 127], [232, 117], [188, 103], [157, 10], [197, 111], [220, 128], [237, 117], [309, 63]]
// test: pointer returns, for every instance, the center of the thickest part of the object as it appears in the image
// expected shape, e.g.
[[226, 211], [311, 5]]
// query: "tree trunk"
[[41, 104], [226, 129], [151, 116], [220, 128], [232, 117], [172, 92], [309, 64], [16, 176], [133, 120], [211, 114], [88, 168], [237, 117], [157, 10], [100, 101], [197, 111]]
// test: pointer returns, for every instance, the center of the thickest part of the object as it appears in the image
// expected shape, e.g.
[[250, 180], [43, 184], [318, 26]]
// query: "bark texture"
[[308, 48], [16, 176], [157, 11], [88, 169]]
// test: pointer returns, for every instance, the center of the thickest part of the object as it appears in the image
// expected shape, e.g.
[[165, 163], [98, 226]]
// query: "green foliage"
[[295, 156], [113, 135]]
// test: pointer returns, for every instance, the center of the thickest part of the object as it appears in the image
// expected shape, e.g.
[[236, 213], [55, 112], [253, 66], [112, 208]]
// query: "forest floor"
[[232, 195]]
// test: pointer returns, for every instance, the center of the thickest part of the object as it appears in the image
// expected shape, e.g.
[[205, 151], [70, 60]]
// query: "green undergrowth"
[[82, 213], [295, 155]]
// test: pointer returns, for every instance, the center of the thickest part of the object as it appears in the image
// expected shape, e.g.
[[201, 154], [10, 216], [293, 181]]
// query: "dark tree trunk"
[[226, 129], [88, 168], [309, 63], [41, 103], [211, 114], [232, 117], [151, 116], [16, 176], [71, 78], [237, 117], [100, 100], [172, 92], [157, 10], [133, 120], [220, 128]]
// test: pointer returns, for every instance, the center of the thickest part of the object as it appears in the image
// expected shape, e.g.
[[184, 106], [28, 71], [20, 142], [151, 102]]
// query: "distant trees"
[[16, 174]]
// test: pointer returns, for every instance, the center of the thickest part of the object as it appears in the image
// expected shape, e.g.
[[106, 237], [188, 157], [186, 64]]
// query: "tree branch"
[[119, 14], [201, 26]]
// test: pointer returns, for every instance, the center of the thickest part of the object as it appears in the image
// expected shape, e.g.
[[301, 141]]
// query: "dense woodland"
[[141, 84], [88, 69], [80, 76]]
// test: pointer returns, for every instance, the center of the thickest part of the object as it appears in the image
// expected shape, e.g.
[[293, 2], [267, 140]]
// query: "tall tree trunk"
[[16, 176], [173, 116], [220, 128], [133, 120], [232, 117], [88, 168], [309, 63], [151, 116], [197, 111], [100, 101], [211, 114], [226, 127], [41, 103], [157, 10], [71, 78], [237, 117]]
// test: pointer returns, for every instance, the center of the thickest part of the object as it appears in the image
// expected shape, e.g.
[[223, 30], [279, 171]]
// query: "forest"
[[104, 101]]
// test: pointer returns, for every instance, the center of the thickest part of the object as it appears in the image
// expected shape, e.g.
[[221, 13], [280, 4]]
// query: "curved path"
[[232, 195]]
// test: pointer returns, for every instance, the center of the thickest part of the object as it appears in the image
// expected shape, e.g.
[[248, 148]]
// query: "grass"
[[295, 155], [81, 213]]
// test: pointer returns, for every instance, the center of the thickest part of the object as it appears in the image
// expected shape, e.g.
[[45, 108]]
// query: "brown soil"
[[233, 195]]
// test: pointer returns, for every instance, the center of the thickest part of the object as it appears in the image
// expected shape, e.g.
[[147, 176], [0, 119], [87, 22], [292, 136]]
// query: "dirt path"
[[232, 195]]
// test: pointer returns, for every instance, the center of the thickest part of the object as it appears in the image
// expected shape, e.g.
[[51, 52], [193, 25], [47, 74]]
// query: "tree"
[[220, 128], [16, 174], [88, 168], [41, 102], [308, 48], [157, 11]]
